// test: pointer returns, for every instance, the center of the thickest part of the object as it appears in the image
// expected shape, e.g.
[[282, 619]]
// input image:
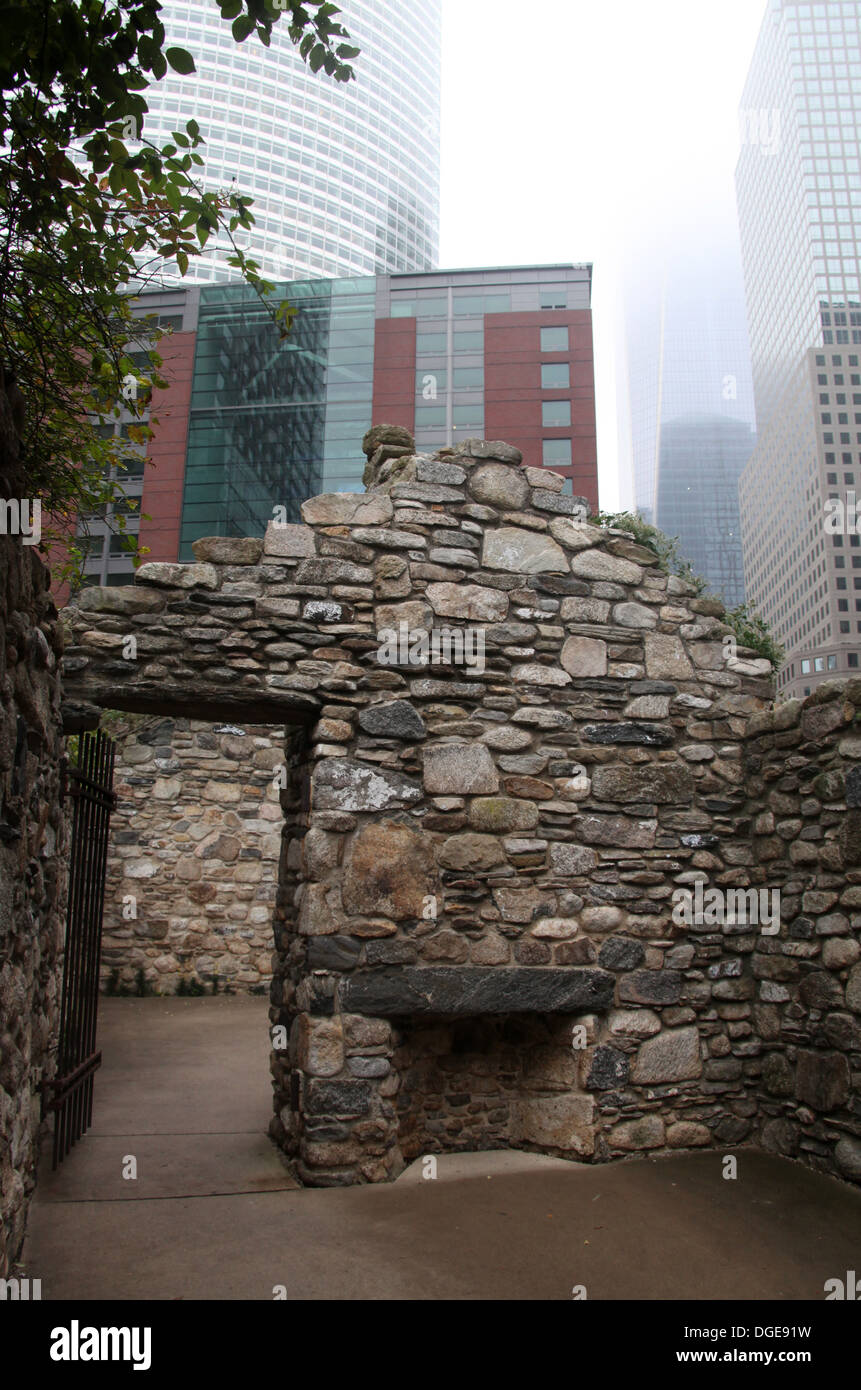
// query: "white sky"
[[574, 130]]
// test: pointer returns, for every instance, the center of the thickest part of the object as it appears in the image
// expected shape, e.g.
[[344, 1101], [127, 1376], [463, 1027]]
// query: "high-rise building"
[[344, 176], [799, 198], [249, 422], [700, 463], [686, 400]]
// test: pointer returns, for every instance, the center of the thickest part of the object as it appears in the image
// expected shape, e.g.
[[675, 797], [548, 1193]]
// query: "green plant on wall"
[[750, 628], [753, 631]]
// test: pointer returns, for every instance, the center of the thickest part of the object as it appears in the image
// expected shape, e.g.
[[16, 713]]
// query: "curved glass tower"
[[344, 176]]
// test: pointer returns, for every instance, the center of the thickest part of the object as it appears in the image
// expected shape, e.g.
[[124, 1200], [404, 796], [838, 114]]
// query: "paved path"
[[213, 1214]]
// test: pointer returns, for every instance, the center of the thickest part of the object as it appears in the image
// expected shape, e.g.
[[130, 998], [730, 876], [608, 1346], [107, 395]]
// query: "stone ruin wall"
[[195, 844], [475, 864], [33, 837], [803, 817]]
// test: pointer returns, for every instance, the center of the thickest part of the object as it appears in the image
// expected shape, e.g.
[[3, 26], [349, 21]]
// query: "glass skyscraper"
[[269, 421], [799, 198], [701, 459], [686, 400], [344, 176]]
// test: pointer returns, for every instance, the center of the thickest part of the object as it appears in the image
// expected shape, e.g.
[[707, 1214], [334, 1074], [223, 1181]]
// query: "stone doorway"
[[195, 847]]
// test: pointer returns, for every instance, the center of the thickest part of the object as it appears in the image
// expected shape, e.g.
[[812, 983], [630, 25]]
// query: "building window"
[[469, 340], [436, 308], [431, 343], [852, 659], [468, 417], [556, 452], [554, 299], [117, 545], [805, 668], [555, 414], [555, 376], [468, 304], [845, 627], [468, 378], [429, 415], [554, 339], [819, 662]]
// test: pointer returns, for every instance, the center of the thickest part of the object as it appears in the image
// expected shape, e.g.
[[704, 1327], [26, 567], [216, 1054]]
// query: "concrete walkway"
[[212, 1214]]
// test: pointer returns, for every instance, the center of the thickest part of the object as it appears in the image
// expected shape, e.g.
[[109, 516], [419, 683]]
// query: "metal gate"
[[70, 1093]]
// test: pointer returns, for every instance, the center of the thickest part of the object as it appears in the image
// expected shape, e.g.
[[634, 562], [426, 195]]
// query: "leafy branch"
[[86, 221]]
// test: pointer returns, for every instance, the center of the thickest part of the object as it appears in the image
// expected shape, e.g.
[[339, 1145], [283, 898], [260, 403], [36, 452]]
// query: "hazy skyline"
[[607, 128]]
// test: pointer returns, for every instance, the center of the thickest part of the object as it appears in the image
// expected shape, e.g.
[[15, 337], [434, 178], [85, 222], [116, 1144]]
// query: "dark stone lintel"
[[475, 990]]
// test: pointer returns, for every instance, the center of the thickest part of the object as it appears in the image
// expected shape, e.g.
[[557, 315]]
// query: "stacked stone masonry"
[[804, 985], [193, 868], [33, 834], [474, 934]]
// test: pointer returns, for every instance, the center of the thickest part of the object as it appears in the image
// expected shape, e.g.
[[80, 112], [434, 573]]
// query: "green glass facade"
[[274, 421]]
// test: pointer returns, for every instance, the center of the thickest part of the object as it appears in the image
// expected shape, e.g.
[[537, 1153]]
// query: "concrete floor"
[[184, 1088]]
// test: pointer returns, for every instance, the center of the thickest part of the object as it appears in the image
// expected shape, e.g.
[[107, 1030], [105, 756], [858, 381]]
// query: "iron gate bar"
[[71, 1091]]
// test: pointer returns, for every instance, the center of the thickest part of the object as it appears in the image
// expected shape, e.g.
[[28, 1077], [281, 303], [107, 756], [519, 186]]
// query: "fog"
[[591, 132]]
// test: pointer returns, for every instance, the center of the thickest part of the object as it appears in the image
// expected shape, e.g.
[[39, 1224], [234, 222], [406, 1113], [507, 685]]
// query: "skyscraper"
[[700, 463], [799, 198], [687, 395], [344, 176]]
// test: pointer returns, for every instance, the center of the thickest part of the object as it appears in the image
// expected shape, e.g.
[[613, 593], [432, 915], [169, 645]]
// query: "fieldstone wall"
[[193, 864], [804, 783], [32, 844], [475, 934]]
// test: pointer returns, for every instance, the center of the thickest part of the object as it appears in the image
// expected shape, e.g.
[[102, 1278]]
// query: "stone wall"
[[475, 933], [804, 783], [193, 863], [32, 845]]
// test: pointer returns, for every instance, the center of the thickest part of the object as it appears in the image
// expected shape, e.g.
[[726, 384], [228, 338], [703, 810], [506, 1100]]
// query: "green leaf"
[[180, 60], [230, 8], [147, 51], [193, 129], [242, 27], [182, 262]]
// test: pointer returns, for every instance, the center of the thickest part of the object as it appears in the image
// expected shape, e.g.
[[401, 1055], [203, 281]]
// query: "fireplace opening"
[[508, 1081]]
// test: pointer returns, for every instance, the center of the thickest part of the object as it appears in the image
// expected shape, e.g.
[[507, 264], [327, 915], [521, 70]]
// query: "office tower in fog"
[[799, 200]]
